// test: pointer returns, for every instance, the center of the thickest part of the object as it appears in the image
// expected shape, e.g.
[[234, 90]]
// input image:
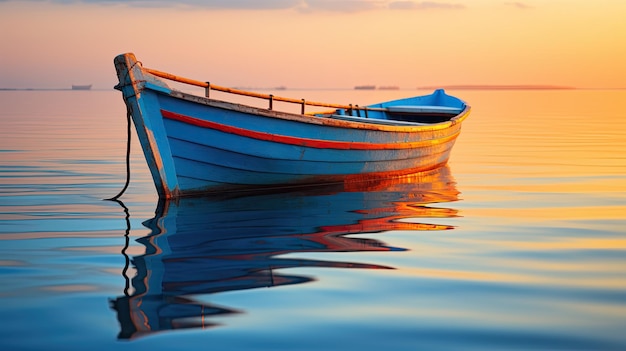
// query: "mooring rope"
[[128, 126]]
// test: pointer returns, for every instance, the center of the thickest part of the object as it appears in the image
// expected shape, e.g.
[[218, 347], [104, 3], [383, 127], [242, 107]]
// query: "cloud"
[[423, 5], [207, 4], [519, 5], [307, 6], [340, 5], [365, 5]]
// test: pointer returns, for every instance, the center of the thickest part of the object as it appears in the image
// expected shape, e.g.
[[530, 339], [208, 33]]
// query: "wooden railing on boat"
[[208, 87]]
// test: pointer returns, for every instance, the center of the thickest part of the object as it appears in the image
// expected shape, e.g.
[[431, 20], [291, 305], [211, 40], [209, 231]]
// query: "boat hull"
[[196, 145]]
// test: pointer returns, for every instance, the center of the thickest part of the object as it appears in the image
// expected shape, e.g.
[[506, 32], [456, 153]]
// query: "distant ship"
[[81, 87], [389, 87], [365, 87]]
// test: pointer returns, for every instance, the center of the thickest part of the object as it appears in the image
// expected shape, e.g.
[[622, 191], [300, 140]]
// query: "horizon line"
[[427, 87]]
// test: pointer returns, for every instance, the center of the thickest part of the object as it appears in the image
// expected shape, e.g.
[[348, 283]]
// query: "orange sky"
[[318, 43]]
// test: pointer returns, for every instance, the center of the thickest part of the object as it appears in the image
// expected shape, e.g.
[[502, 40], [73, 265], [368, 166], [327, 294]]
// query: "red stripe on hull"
[[289, 140]]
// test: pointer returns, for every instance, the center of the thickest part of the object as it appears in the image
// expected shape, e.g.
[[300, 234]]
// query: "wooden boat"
[[198, 144]]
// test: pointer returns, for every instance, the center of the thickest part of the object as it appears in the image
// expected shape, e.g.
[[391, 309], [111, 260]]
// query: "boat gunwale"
[[312, 119], [148, 80]]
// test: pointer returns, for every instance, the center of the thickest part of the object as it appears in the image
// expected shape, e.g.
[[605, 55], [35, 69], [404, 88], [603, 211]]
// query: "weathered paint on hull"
[[195, 145]]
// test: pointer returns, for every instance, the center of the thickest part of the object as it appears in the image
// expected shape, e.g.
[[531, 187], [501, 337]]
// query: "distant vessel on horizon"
[[365, 87], [81, 87], [389, 87]]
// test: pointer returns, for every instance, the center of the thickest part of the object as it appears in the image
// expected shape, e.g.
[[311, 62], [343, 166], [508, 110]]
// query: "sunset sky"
[[317, 43]]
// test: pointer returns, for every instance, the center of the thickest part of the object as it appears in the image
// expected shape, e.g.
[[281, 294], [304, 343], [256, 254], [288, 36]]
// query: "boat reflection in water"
[[210, 245]]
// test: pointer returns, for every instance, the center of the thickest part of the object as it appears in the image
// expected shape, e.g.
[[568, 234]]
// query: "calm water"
[[519, 244]]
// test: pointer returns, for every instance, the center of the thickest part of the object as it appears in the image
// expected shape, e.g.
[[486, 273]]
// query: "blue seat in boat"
[[425, 109]]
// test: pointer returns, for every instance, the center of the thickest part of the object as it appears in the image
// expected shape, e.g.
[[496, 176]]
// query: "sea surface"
[[518, 244]]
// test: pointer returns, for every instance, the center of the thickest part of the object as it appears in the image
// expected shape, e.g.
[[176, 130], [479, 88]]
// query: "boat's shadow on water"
[[210, 245]]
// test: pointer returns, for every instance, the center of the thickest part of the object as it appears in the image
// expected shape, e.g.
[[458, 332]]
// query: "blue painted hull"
[[197, 145]]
